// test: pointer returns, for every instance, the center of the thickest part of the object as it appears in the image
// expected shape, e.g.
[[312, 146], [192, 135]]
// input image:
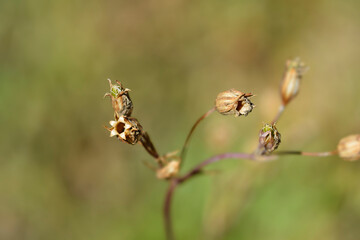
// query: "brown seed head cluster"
[[269, 139], [233, 102], [349, 148], [126, 129], [120, 99], [129, 130], [291, 82]]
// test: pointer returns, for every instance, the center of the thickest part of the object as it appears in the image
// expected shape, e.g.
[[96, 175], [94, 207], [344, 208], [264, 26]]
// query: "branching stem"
[[198, 169], [313, 154], [186, 143], [195, 171]]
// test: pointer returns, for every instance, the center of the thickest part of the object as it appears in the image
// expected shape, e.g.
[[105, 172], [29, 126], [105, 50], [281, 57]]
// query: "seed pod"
[[169, 170], [233, 102], [291, 82], [120, 99], [349, 148], [269, 139], [126, 129]]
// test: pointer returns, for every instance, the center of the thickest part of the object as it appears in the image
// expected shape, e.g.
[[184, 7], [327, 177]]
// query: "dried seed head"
[[126, 129], [233, 102], [120, 99], [349, 148], [291, 82], [269, 139], [169, 170]]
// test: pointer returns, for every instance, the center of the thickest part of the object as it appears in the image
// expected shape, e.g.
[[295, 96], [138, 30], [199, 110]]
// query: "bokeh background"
[[62, 177]]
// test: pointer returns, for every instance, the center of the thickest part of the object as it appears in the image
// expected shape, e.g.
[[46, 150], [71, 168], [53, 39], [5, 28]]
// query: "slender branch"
[[195, 171], [313, 154], [278, 115], [167, 210], [186, 143], [198, 169]]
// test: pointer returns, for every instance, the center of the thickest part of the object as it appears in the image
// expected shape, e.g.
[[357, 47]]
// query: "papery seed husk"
[[349, 148]]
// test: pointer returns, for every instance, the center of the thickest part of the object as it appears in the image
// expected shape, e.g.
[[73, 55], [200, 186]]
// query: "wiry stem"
[[167, 210], [313, 154], [186, 143], [195, 171], [198, 169]]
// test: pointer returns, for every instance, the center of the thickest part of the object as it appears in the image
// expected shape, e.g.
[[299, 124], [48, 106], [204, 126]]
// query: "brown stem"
[[314, 154], [183, 150], [167, 210], [195, 171], [198, 169]]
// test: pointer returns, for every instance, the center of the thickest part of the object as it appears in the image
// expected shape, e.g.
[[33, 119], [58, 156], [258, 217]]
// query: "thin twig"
[[167, 210], [195, 171], [313, 154], [186, 143], [198, 169]]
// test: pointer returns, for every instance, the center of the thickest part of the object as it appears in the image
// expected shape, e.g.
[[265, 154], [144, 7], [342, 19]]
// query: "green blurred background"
[[62, 177]]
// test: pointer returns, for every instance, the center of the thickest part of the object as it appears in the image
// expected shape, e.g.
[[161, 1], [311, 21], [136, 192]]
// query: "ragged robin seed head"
[[120, 99], [233, 102], [349, 148], [126, 129], [291, 81], [269, 139]]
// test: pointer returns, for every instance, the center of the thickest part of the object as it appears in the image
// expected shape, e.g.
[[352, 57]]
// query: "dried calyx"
[[169, 165], [126, 129], [269, 139], [169, 171], [233, 102], [120, 99], [291, 82], [349, 148]]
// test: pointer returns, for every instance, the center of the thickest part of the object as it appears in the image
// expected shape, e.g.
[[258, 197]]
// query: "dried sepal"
[[169, 165], [148, 145], [269, 139], [349, 148], [291, 81], [126, 129], [233, 102], [168, 171], [120, 99]]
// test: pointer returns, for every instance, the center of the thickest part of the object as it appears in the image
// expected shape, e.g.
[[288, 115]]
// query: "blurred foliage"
[[62, 177]]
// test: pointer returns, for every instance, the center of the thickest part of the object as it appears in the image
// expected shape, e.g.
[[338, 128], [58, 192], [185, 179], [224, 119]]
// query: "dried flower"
[[233, 102], [349, 148], [169, 170], [126, 129], [120, 99], [291, 82], [269, 139]]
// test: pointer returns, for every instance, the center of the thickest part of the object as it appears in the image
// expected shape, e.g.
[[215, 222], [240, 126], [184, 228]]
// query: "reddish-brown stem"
[[167, 209], [313, 154], [186, 143], [195, 171], [198, 169]]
